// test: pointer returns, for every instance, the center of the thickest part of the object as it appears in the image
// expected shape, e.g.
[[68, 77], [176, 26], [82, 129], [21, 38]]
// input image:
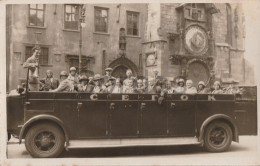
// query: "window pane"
[[73, 8], [33, 18], [33, 6], [104, 13], [40, 18], [40, 6], [68, 9]]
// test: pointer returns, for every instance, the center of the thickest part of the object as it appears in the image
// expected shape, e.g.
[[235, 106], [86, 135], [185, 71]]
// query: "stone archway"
[[120, 66]]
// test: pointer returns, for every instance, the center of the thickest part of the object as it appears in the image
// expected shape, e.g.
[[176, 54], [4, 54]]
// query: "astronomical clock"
[[196, 40]]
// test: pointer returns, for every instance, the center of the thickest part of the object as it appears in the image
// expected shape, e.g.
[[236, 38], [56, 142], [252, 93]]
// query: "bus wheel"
[[218, 137], [44, 140]]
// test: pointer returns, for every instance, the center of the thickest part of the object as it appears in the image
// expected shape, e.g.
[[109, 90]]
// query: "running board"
[[96, 143]]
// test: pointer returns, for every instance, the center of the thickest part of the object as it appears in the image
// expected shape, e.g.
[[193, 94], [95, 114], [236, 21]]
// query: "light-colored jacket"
[[65, 86]]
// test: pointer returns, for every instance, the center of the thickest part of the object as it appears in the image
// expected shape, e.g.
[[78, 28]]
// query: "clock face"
[[196, 40]]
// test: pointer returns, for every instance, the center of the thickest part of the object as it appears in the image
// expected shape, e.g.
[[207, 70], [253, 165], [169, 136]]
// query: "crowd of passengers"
[[71, 81]]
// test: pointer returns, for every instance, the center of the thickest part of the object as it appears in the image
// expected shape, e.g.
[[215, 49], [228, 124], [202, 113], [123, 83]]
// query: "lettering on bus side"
[[93, 97], [211, 98]]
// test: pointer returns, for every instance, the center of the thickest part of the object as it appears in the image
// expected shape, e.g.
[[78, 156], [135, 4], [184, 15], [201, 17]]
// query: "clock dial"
[[196, 40]]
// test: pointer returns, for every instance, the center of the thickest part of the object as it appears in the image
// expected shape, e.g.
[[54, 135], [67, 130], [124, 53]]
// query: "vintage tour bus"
[[51, 121]]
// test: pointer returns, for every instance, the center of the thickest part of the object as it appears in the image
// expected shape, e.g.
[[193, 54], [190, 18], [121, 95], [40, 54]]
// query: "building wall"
[[228, 44], [63, 42]]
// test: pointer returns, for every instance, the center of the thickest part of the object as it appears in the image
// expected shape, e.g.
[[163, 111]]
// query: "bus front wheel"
[[217, 137]]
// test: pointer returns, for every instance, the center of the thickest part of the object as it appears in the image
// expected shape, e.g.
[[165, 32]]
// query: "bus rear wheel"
[[218, 137], [44, 140]]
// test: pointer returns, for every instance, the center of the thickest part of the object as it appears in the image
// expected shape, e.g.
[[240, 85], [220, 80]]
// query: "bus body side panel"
[[212, 104]]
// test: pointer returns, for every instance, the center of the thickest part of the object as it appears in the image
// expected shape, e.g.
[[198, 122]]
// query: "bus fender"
[[38, 118], [224, 118]]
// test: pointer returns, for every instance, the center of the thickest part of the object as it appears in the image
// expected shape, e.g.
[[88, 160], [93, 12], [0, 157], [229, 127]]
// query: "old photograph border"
[[251, 7]]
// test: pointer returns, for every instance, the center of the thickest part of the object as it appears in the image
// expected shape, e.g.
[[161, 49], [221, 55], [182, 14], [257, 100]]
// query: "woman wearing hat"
[[98, 87], [82, 86], [180, 86], [217, 88], [202, 88]]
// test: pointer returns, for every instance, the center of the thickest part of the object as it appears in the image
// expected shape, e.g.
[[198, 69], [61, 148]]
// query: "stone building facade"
[[197, 41]]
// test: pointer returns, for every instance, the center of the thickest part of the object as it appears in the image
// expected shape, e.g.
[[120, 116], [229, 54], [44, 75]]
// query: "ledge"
[[70, 30], [159, 40], [36, 27], [131, 36], [101, 33], [223, 44]]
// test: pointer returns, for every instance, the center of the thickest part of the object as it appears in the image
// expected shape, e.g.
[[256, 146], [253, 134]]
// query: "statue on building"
[[122, 41]]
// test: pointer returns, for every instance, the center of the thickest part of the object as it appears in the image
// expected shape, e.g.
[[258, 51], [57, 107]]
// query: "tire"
[[44, 140], [217, 137]]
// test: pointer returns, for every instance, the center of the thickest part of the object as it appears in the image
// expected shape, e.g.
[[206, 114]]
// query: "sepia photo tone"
[[129, 80]]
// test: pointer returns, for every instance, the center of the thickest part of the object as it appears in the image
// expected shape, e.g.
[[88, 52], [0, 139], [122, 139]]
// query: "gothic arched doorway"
[[120, 66], [198, 71], [120, 72]]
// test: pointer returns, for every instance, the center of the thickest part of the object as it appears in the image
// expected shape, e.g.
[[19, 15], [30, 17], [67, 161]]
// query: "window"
[[132, 23], [101, 19], [44, 56], [71, 17], [36, 15]]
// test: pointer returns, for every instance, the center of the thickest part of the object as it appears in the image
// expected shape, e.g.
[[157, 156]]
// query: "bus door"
[[65, 107], [92, 115], [123, 115], [181, 114], [153, 116], [38, 103]]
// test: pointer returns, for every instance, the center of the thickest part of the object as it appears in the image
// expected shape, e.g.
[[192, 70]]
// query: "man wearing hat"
[[180, 86], [109, 85], [73, 77], [202, 88], [107, 76], [65, 84], [32, 63], [98, 87], [152, 89], [82, 86]]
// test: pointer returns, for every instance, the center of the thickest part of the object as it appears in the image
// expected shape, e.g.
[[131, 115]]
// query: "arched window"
[[229, 24]]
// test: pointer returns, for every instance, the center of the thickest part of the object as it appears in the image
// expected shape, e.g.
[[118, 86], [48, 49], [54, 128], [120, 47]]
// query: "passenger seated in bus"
[[109, 85], [231, 89], [202, 88], [83, 83], [159, 80], [107, 76], [189, 88], [129, 88], [65, 84], [98, 87], [117, 88], [170, 88], [151, 89], [180, 86], [129, 75], [140, 88], [73, 76], [49, 83], [217, 88]]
